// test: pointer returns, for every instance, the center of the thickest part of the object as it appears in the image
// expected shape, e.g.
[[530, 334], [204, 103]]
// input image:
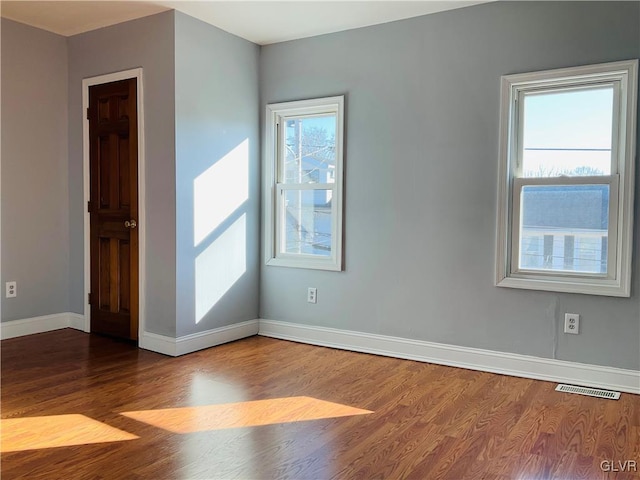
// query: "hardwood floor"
[[264, 408]]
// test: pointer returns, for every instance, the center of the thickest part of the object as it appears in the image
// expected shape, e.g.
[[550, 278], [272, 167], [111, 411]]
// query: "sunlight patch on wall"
[[32, 433], [220, 190], [243, 414], [220, 265]]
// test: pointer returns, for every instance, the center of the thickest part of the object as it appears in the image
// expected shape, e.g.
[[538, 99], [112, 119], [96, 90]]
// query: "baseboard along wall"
[[150, 341], [198, 341], [456, 356], [45, 323], [450, 355]]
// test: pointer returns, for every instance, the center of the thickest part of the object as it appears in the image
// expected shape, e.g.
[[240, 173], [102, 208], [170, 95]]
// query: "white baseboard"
[[451, 355], [158, 343], [45, 323], [216, 336], [455, 356], [175, 347], [149, 341], [76, 321]]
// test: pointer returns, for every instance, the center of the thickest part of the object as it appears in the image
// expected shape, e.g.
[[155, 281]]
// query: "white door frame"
[[86, 83]]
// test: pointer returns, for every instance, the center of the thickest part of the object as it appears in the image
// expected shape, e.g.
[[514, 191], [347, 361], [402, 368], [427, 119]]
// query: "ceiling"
[[262, 22]]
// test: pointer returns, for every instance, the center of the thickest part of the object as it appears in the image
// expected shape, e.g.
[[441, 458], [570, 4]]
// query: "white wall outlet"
[[572, 323], [11, 289], [312, 295]]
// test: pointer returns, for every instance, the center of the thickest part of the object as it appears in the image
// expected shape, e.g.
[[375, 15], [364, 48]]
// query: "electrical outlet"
[[312, 295], [572, 323], [11, 289]]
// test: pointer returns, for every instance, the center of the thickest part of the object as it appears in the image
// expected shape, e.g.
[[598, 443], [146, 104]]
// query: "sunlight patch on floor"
[[31, 433], [243, 414]]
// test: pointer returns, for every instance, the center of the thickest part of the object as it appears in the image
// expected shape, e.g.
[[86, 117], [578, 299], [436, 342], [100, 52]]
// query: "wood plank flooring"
[[261, 408]]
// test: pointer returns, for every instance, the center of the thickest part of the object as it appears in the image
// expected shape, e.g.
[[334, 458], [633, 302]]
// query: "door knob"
[[130, 224]]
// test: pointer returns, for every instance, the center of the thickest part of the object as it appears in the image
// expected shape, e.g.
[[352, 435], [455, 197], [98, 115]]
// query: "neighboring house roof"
[[576, 206]]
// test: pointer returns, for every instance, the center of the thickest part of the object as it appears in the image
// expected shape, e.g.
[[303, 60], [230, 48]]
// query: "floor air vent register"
[[591, 392]]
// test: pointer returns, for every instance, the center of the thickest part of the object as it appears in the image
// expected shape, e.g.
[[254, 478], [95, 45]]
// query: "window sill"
[[609, 288], [329, 264]]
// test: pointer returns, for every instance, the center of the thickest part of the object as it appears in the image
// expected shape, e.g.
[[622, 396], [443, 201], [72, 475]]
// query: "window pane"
[[307, 222], [310, 149], [567, 133], [564, 228]]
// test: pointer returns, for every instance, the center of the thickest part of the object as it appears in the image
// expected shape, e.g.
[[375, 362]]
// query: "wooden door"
[[113, 208]]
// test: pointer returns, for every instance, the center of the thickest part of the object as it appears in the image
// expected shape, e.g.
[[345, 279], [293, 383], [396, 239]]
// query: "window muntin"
[[566, 179], [304, 158]]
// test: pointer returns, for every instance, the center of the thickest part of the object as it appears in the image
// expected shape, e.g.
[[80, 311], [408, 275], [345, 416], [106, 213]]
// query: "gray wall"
[[217, 177], [35, 220], [146, 43], [421, 178]]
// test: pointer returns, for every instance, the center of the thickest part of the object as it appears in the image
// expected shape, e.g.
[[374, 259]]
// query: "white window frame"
[[617, 282], [274, 186]]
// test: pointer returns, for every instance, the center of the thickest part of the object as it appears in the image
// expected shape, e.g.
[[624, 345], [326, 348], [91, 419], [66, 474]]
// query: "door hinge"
[[89, 207], [88, 113], [89, 298]]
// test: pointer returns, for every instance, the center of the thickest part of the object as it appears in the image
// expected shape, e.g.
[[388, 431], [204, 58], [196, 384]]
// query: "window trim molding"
[[271, 188], [626, 72]]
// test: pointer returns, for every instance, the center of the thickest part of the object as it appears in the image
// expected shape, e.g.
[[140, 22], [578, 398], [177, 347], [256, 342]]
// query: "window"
[[566, 179], [303, 183]]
